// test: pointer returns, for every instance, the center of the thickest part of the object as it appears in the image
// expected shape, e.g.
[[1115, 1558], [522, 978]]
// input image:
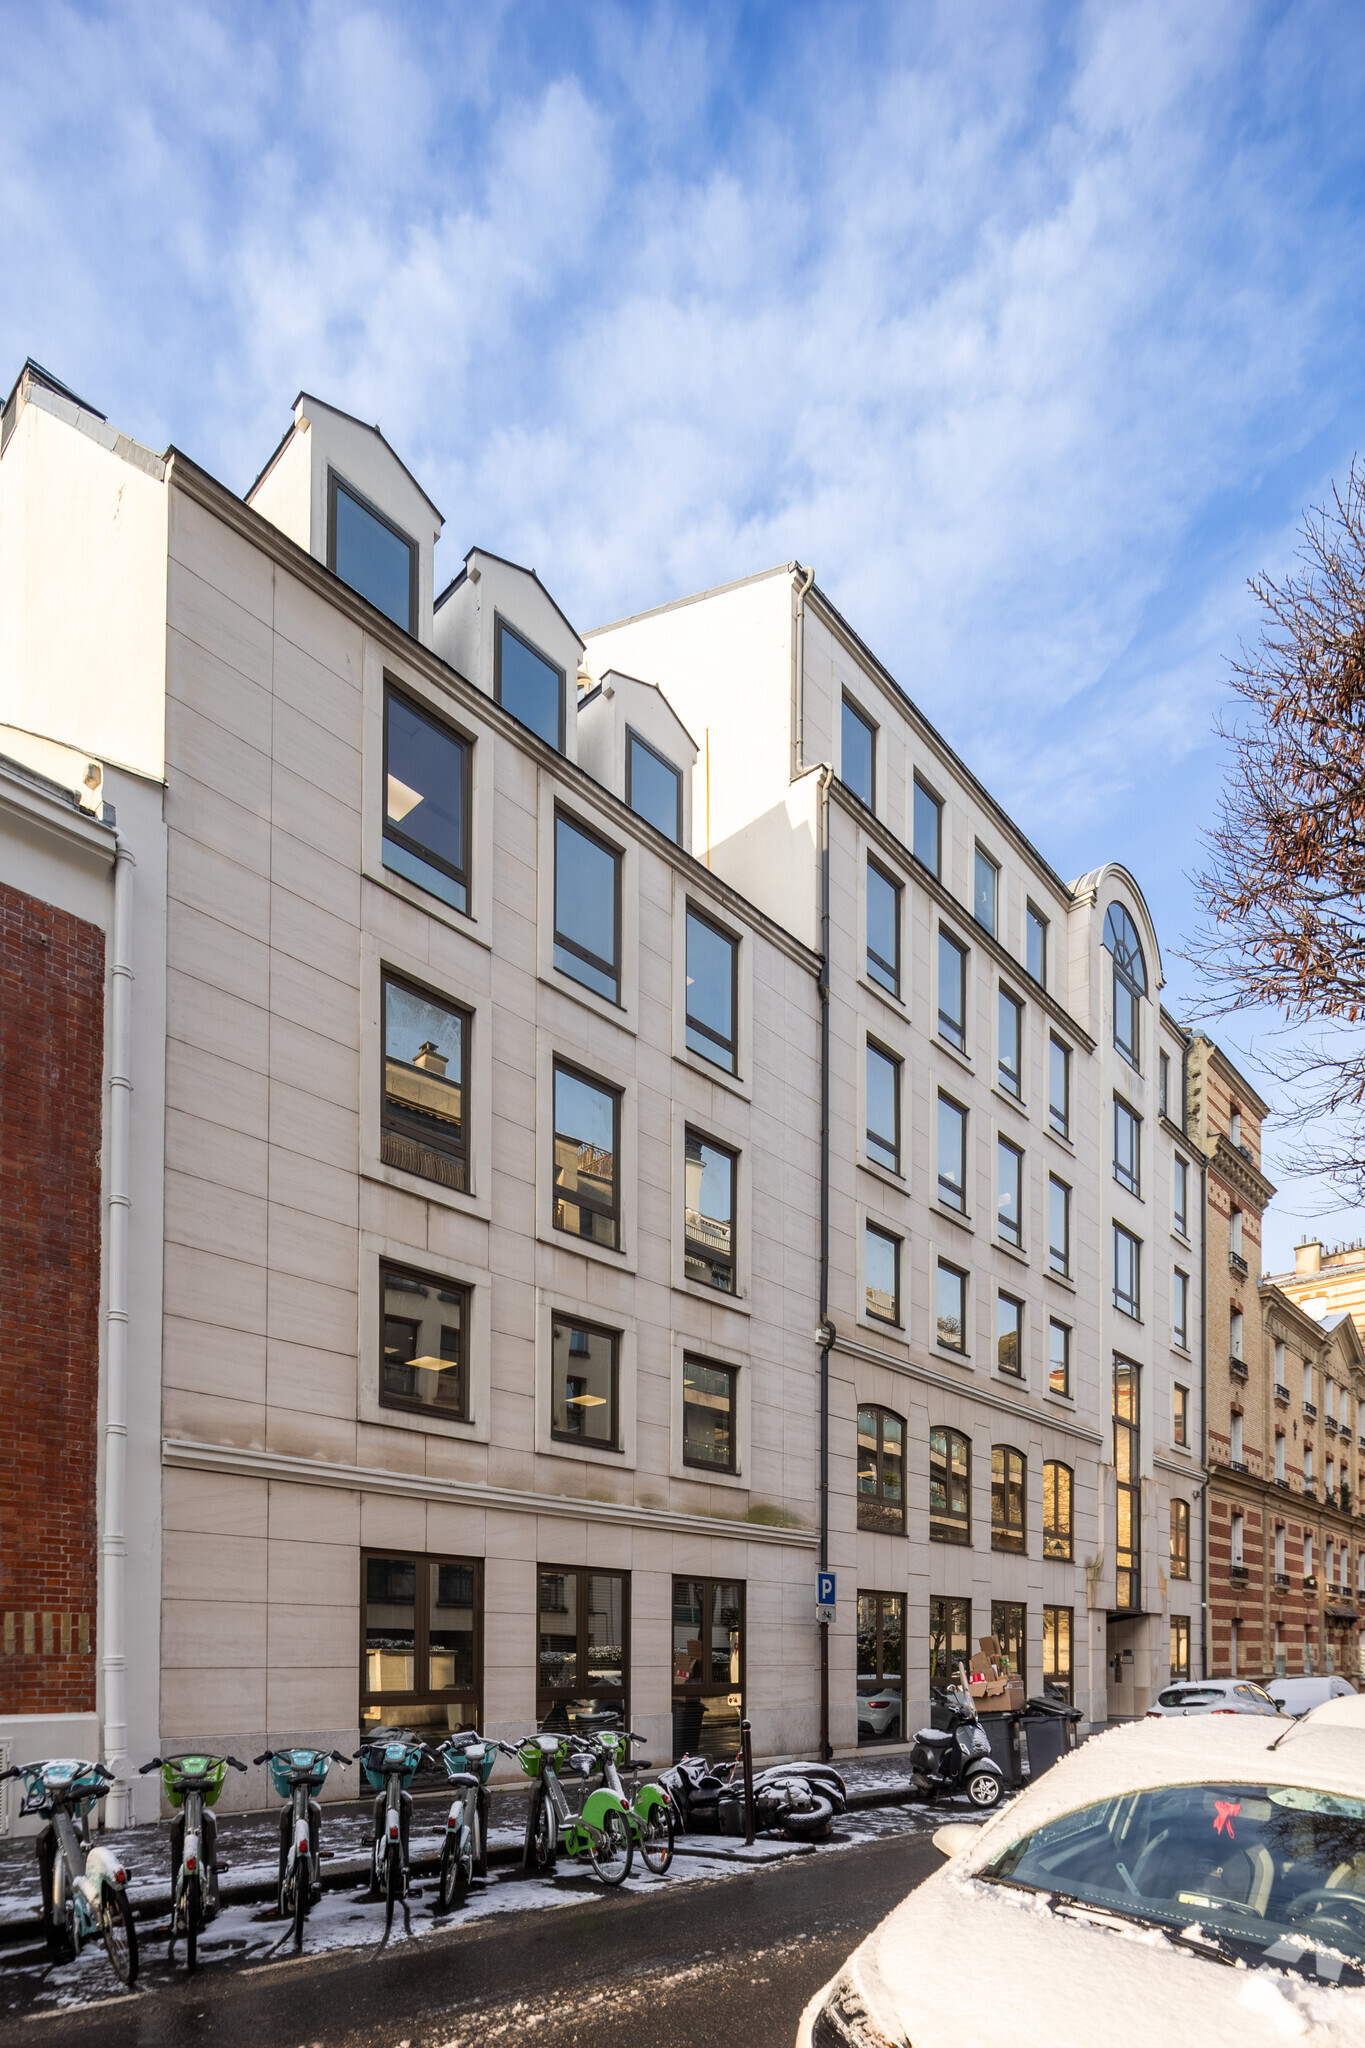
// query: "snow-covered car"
[[1297, 1695], [1106, 1903], [879, 1710], [1212, 1696]]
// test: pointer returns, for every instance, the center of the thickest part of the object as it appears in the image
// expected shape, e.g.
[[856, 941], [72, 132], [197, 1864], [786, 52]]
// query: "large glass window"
[[583, 1649], [1127, 1272], [952, 1154], [985, 889], [1010, 1055], [1180, 1309], [1009, 1335], [881, 1666], [1009, 1191], [1058, 1225], [587, 908], [1058, 1358], [1180, 1646], [1127, 1147], [424, 1126], [1130, 982], [883, 1107], [883, 929], [881, 1471], [587, 1134], [928, 828], [654, 788], [1007, 1498], [1057, 1523], [424, 1363], [950, 1487], [1180, 1539], [1128, 1484], [1036, 936], [709, 1415], [584, 1395], [421, 1642], [370, 553], [528, 685], [1059, 1087], [708, 1666], [1057, 1668], [709, 1214], [952, 991], [950, 1639], [951, 1302], [1180, 1196], [1180, 1415], [712, 991], [426, 801], [882, 1274], [858, 754], [1009, 1626]]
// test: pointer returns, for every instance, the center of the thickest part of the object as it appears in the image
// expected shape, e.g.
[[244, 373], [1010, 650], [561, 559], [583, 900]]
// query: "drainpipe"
[[1203, 1416], [113, 1545], [799, 678], [826, 1328]]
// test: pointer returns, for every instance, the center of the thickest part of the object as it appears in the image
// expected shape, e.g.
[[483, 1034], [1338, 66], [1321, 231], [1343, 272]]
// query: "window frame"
[[983, 861], [1179, 1538], [419, 1696], [942, 1182], [1120, 1301], [1180, 1207], [570, 1321], [1180, 1415], [1015, 1371], [461, 877], [559, 1065], [946, 1526], [1128, 1441], [1059, 1544], [336, 482], [685, 1690], [1059, 1126], [1007, 1535], [1180, 1308], [878, 1606], [733, 1372], [874, 1045], [1009, 1626], [869, 724], [1010, 1081], [1061, 1678], [1179, 1651], [691, 1023], [411, 1405], [391, 1121], [948, 1610], [1118, 925], [635, 739], [1064, 1391], [920, 788], [874, 1229], [583, 1688], [1132, 1181], [503, 625], [1034, 921], [960, 1274], [1005, 1145], [891, 987], [694, 1246], [959, 1042], [874, 1511], [611, 969], [1060, 1268]]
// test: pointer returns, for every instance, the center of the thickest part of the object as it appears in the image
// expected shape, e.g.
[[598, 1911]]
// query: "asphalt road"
[[721, 1965]]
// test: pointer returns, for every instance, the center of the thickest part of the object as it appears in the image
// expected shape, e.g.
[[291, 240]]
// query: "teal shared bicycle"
[[601, 1830], [84, 1886], [648, 1808]]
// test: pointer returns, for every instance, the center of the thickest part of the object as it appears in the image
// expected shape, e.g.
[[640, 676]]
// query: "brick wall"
[[51, 1099]]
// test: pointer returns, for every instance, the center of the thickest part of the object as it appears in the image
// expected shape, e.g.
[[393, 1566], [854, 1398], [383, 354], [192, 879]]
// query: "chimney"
[[434, 1062], [1307, 1258]]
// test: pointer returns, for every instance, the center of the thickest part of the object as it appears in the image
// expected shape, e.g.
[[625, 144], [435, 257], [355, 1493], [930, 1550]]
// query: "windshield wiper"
[[1212, 1946]]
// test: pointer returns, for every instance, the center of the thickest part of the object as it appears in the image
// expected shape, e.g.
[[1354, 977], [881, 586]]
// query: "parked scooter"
[[957, 1758], [469, 1761], [797, 1800]]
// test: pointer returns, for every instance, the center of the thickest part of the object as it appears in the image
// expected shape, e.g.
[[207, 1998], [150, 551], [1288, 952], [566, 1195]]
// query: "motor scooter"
[[956, 1758], [797, 1800]]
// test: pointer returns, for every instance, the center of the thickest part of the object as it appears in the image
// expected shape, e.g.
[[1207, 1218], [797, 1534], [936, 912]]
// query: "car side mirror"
[[956, 1836]]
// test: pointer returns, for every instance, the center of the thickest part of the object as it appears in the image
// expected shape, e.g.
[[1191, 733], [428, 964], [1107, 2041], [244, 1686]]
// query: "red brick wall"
[[51, 1100]]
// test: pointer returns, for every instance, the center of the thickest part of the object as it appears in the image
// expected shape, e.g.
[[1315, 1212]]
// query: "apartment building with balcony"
[[1011, 1313], [484, 1384]]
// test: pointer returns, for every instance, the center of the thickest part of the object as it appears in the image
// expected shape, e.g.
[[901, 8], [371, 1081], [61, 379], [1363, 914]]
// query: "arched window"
[[1007, 1499], [950, 1487], [881, 1471], [1057, 1535], [1180, 1539], [1130, 980]]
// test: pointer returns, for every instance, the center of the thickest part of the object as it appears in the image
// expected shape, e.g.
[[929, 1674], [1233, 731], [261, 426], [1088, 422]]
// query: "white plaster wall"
[[465, 636]]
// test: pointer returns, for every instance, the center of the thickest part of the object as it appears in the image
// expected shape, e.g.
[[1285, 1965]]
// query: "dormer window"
[[370, 553], [528, 685], [653, 787]]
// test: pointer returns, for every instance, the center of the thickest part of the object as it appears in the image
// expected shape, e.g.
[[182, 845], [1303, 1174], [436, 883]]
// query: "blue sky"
[[1032, 328]]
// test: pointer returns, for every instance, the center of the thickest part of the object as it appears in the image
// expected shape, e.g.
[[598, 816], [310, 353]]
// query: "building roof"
[[341, 414], [521, 570]]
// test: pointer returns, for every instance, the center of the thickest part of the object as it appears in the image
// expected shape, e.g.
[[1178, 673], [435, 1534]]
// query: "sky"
[[1032, 328]]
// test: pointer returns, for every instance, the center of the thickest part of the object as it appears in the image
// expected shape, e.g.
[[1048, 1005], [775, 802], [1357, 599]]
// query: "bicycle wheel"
[[481, 1836], [611, 1848], [120, 1935], [544, 1834], [393, 1889], [301, 1876], [656, 1839], [192, 1923], [453, 1883]]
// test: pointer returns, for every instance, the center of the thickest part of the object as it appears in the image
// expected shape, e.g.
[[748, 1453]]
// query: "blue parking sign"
[[824, 1589]]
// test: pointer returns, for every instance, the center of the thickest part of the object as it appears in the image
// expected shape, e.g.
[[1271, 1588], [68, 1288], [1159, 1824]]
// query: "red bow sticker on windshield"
[[1224, 1812]]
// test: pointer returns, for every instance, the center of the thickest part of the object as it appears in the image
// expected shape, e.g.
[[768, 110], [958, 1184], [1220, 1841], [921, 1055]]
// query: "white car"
[[1297, 1695], [879, 1709], [1105, 1904], [1212, 1696]]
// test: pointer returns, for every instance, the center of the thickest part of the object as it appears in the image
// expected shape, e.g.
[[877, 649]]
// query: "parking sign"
[[824, 1589]]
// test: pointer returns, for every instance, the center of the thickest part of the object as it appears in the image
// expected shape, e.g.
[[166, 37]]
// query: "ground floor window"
[[1057, 1667], [1009, 1626], [583, 1654], [950, 1639], [881, 1634], [421, 1641], [708, 1666], [1180, 1646]]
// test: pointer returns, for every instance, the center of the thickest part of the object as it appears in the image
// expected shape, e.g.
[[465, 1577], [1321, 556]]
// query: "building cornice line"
[[986, 1395], [1237, 1172], [186, 1454]]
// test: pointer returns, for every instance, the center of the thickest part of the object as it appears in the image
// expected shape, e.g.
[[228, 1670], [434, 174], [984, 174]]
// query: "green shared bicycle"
[[648, 1808], [601, 1830]]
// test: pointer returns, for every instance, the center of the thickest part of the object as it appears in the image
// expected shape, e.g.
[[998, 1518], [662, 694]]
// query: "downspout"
[[799, 678], [113, 1544], [1203, 1416], [826, 1327]]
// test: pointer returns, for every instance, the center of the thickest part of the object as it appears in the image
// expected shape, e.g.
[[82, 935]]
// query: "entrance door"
[[1130, 1674]]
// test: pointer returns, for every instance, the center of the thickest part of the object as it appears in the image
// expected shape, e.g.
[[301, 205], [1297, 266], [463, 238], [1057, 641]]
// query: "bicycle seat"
[[548, 1744]]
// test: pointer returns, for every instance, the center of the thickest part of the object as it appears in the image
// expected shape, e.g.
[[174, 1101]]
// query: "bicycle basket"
[[382, 1757], [288, 1766], [475, 1761], [211, 1770]]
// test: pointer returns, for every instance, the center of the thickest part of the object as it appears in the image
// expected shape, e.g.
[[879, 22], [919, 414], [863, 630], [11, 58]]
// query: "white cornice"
[[252, 1464]]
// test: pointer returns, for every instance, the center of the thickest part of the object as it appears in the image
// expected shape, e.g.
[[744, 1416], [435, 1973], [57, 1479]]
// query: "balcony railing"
[[1310, 1584], [1239, 1574], [1238, 1368], [1284, 1483], [1238, 1263], [1282, 1394], [1310, 1490], [1310, 1410], [1329, 1423], [1281, 1582], [1330, 1496], [1238, 1465]]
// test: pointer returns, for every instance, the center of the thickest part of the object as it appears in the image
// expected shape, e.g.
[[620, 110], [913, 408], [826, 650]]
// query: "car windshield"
[[1277, 1871]]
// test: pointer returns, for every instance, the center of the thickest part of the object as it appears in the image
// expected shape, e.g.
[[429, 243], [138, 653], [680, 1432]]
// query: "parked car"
[[1297, 1695], [1213, 1696], [879, 1710], [1105, 1902]]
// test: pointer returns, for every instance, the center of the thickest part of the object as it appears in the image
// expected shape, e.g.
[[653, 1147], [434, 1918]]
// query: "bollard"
[[746, 1750]]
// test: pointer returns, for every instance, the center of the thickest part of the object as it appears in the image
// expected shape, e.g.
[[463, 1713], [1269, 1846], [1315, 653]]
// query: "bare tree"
[[1283, 888]]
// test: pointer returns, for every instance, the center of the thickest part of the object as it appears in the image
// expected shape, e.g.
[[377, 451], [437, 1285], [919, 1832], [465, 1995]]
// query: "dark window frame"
[[982, 858], [732, 1372], [946, 1525], [1061, 1678], [687, 1690], [1059, 1114], [1123, 943], [1015, 1371], [563, 1320], [584, 1688], [881, 1604], [1009, 1080], [956, 1034], [461, 876], [1180, 1638], [1121, 1300], [422, 1696], [1180, 1414], [959, 1273], [411, 1405], [1009, 1626], [1007, 1534], [1034, 920], [1059, 1256], [892, 986], [945, 1189], [1002, 1227], [694, 1245], [1132, 1181], [635, 739], [1059, 1542], [893, 1060], [1056, 1323], [1180, 1307], [393, 1120], [1180, 1539], [1180, 1178], [920, 786], [691, 1023], [336, 482], [1127, 1458], [503, 625], [895, 1321], [872, 728], [874, 1511], [950, 1615], [577, 1073], [611, 968]]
